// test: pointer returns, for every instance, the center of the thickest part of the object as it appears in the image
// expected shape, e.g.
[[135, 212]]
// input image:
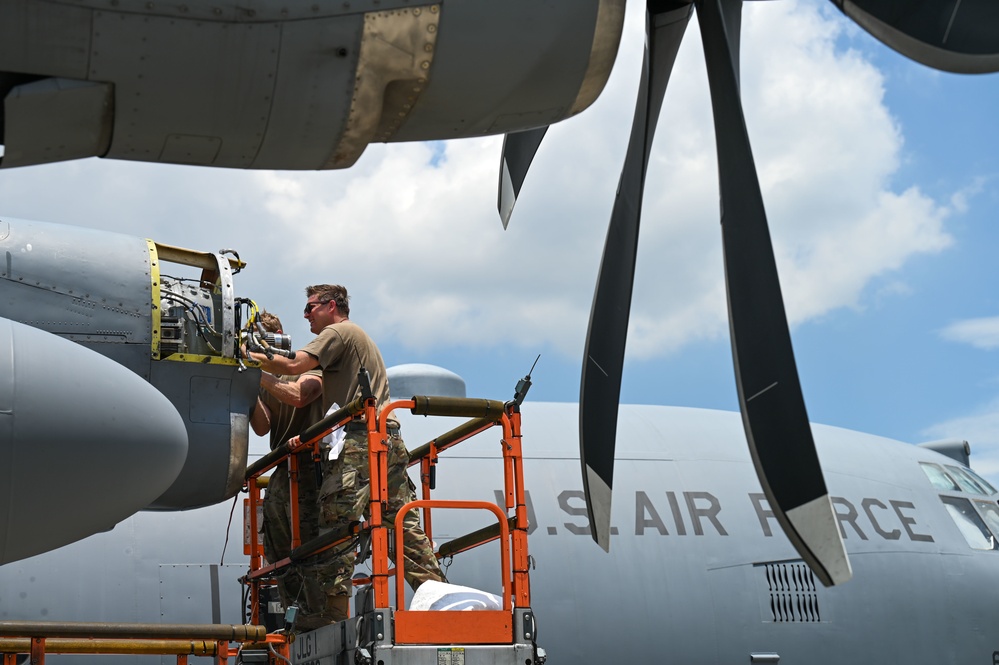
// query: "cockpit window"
[[970, 523], [950, 478], [990, 511], [970, 481], [939, 478]]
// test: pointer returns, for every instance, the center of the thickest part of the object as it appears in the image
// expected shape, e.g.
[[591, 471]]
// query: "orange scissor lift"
[[383, 633]]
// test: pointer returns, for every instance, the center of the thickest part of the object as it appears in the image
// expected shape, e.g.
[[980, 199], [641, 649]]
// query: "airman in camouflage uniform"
[[283, 421], [340, 349]]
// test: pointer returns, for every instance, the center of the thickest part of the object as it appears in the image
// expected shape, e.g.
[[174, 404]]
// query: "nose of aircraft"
[[84, 442]]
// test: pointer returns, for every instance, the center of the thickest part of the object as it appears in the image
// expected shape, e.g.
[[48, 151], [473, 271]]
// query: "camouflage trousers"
[[344, 498], [296, 583]]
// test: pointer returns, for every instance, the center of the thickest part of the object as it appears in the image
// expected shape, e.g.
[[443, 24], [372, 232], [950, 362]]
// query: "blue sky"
[[880, 178]]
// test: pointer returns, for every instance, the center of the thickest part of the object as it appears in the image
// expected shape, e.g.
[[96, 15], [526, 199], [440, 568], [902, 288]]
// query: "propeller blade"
[[519, 149], [773, 409], [960, 37], [603, 359]]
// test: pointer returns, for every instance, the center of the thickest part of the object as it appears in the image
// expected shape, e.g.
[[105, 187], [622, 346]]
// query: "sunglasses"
[[312, 305]]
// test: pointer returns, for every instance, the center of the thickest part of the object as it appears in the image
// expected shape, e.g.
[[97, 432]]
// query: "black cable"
[[228, 526]]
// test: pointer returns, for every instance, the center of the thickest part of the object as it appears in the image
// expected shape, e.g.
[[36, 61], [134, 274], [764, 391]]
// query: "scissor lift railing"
[[488, 627], [482, 626]]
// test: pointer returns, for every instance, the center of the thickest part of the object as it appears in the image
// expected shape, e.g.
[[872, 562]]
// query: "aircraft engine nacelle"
[[114, 294], [289, 85], [84, 443]]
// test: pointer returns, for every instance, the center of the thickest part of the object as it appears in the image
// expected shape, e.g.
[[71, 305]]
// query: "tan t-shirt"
[[342, 349], [286, 420]]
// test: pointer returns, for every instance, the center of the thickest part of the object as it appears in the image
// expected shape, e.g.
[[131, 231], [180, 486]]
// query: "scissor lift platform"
[[388, 635]]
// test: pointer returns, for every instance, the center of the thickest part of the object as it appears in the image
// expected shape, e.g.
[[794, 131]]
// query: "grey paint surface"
[[268, 84]]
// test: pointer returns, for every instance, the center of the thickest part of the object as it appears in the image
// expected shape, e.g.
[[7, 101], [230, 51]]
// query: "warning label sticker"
[[453, 656]]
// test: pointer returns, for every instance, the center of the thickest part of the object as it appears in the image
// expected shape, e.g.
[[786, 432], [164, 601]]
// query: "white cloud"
[[413, 231], [959, 201], [981, 333]]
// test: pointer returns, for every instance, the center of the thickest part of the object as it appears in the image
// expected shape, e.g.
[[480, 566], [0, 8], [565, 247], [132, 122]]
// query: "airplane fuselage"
[[698, 571]]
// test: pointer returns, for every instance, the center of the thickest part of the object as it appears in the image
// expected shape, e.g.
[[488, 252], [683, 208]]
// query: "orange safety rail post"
[[427, 465], [378, 478], [378, 459], [513, 453], [250, 547], [256, 556]]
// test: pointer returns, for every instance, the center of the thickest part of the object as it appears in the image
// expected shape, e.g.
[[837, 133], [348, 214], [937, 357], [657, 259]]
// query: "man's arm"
[[260, 419], [302, 363], [302, 391]]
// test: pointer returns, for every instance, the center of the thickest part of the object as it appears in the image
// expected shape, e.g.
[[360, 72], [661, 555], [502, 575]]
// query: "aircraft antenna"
[[520, 392]]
